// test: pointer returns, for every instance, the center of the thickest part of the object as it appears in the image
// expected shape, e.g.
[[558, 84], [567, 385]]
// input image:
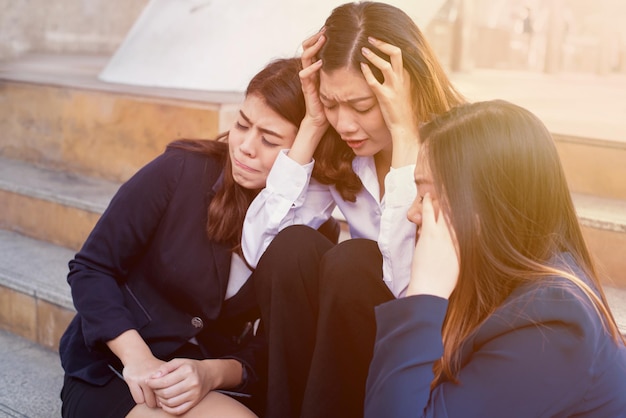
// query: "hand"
[[309, 77], [181, 383], [314, 124], [395, 101], [435, 266], [136, 374]]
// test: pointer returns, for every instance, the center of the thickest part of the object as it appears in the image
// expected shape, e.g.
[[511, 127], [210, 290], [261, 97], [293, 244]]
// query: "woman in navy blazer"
[[165, 314], [504, 315]]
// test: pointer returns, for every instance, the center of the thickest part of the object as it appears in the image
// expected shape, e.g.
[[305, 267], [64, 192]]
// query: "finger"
[[179, 409], [149, 396], [136, 393], [313, 39], [307, 73], [370, 79], [381, 63], [176, 399], [395, 53], [311, 47], [166, 368]]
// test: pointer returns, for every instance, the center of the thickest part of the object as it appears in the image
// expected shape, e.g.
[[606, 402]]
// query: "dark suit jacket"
[[149, 265]]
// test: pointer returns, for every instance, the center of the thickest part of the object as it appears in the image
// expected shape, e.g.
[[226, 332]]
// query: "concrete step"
[[35, 299], [32, 378], [54, 111], [55, 206], [603, 222], [593, 166], [584, 112]]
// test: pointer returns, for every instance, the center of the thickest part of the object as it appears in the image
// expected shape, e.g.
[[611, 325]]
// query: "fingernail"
[[372, 40], [365, 51]]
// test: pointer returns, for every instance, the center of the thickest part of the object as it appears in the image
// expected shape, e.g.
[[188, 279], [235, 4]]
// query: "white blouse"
[[292, 197]]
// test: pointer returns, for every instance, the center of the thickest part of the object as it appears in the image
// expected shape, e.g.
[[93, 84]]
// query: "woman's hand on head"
[[314, 124], [309, 77], [435, 266], [395, 101]]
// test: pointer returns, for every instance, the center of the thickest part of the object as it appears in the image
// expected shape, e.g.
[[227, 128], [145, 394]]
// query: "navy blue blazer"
[[543, 353], [149, 265]]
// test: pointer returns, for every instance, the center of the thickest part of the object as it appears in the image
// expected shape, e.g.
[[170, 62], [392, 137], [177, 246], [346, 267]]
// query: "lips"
[[355, 143], [244, 167]]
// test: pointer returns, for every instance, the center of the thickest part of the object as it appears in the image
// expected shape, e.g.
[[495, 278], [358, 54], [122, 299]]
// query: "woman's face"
[[254, 141], [424, 183], [352, 109]]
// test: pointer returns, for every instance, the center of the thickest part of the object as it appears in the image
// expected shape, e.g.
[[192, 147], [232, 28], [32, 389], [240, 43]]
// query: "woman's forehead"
[[344, 85]]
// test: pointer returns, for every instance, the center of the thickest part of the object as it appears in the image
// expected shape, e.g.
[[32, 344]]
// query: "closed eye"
[[268, 143], [240, 126], [364, 111]]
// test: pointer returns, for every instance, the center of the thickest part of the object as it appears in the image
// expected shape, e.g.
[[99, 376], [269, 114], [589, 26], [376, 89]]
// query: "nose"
[[248, 145], [414, 214], [345, 121]]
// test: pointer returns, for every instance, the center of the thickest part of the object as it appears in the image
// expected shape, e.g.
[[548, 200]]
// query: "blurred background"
[[574, 36]]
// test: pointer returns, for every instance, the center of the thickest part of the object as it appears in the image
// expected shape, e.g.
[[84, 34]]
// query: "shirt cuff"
[[287, 178], [400, 187]]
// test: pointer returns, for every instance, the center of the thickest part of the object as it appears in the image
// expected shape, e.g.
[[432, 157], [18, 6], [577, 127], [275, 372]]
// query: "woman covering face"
[[369, 80], [504, 314]]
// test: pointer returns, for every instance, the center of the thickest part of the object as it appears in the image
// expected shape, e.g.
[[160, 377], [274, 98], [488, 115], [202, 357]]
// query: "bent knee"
[[351, 262]]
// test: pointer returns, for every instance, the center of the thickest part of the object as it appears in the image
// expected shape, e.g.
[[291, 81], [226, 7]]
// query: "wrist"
[[230, 373]]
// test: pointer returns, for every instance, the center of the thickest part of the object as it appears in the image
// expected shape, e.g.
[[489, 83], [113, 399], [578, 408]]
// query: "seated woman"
[[504, 315], [371, 76], [164, 307]]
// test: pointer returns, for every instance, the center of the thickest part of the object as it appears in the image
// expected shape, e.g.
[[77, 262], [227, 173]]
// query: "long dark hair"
[[347, 30], [499, 178], [278, 84]]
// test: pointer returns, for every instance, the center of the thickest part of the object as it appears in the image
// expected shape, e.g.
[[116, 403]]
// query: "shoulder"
[[553, 303], [193, 162]]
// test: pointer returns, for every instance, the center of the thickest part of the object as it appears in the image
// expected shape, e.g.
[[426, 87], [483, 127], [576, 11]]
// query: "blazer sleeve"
[[114, 245], [533, 363]]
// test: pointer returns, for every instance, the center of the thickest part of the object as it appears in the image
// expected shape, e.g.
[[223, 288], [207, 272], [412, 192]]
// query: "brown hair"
[[500, 180], [347, 30], [278, 84]]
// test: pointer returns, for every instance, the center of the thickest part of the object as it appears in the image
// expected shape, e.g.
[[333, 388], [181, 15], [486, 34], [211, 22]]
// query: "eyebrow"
[[421, 180], [264, 130], [351, 101]]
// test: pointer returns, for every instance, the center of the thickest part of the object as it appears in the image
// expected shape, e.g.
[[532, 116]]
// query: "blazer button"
[[197, 322]]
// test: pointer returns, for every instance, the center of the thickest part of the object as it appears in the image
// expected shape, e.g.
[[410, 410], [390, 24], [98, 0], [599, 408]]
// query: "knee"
[[351, 263], [294, 251], [293, 240]]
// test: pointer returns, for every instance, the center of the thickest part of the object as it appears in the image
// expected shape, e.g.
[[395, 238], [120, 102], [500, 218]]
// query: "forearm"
[[307, 139], [396, 238], [228, 373], [129, 347], [405, 146]]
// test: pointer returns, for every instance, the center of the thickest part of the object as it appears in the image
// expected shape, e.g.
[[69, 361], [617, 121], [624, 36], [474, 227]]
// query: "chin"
[[250, 184]]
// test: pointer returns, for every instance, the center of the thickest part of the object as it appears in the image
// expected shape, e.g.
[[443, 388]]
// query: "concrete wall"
[[69, 26]]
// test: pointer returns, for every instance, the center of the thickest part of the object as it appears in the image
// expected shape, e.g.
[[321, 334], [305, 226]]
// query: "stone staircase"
[[68, 140]]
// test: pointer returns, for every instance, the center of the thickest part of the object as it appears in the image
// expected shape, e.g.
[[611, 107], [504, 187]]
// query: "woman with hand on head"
[[370, 75], [504, 315], [164, 306]]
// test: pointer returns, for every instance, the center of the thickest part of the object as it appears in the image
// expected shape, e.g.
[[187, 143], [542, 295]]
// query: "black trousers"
[[317, 304]]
